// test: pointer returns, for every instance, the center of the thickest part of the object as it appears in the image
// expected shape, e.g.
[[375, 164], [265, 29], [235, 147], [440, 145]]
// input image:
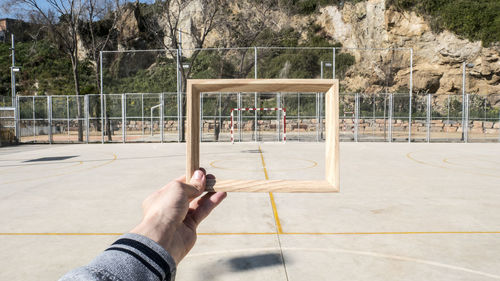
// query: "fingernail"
[[197, 175]]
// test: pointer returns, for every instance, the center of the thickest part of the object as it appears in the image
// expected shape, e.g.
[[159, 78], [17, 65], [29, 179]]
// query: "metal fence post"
[[278, 115], [201, 117], [391, 108], [255, 98], [333, 63], [320, 121], [428, 120], [317, 117], [17, 121], [220, 117], [238, 105], [124, 118], [298, 116], [356, 117], [49, 116], [411, 94], [142, 114], [87, 120], [34, 121], [162, 100], [466, 125], [67, 116], [255, 61]]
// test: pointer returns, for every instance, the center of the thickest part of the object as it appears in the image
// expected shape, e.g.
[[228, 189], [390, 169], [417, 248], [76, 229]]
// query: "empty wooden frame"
[[331, 183]]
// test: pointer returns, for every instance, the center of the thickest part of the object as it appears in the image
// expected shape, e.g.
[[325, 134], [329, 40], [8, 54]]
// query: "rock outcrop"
[[437, 58]]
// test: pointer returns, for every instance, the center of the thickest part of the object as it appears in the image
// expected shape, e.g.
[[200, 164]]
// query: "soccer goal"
[[258, 109]]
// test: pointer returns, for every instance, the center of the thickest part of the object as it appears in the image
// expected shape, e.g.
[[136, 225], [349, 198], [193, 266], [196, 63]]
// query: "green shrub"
[[471, 19]]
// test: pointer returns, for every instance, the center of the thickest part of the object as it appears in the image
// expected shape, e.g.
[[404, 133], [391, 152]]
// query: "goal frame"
[[331, 182]]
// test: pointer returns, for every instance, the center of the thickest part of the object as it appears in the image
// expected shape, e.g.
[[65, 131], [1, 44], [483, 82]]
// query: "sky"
[[41, 3]]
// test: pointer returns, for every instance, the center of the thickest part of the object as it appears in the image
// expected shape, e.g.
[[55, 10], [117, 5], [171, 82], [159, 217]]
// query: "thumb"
[[198, 180]]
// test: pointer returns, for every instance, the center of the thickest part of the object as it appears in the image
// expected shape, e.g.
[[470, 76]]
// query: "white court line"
[[363, 253]]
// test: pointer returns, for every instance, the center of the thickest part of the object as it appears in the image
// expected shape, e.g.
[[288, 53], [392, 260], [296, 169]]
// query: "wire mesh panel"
[[216, 63], [290, 101], [113, 118], [419, 118], [484, 119], [373, 117], [307, 118], [347, 117], [152, 116], [94, 118], [282, 62], [446, 118], [170, 120], [400, 116], [33, 119]]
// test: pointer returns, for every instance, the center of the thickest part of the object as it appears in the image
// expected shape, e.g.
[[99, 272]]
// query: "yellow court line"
[[253, 233], [271, 196], [392, 232]]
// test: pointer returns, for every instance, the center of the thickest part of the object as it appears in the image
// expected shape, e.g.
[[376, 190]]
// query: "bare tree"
[[103, 13], [62, 19], [167, 29], [243, 29]]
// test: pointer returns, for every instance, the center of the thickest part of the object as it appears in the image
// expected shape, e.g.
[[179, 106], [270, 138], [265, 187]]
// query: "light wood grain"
[[262, 85], [331, 86], [269, 186], [332, 169], [192, 131]]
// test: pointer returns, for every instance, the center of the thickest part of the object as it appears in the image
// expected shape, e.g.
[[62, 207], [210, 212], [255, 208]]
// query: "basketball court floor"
[[404, 212]]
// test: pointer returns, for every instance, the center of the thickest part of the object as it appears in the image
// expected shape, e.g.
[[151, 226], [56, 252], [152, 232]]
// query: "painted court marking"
[[311, 163], [66, 173], [410, 156], [355, 252]]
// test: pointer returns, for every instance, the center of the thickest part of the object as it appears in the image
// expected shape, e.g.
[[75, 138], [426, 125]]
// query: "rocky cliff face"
[[380, 39], [437, 58]]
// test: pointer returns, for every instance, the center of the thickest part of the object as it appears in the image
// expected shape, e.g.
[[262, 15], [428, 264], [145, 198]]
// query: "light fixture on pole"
[[325, 64]]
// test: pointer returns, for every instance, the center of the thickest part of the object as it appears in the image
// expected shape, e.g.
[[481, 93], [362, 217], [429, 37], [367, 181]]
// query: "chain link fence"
[[152, 117], [142, 99]]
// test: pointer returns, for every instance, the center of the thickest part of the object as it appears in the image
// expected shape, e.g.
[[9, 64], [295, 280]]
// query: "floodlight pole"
[[12, 73], [179, 88], [103, 125], [13, 87]]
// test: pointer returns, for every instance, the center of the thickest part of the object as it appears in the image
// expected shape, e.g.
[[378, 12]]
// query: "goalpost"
[[258, 109]]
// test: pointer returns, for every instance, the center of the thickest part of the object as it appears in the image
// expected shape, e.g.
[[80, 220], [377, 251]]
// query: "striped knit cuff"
[[150, 254]]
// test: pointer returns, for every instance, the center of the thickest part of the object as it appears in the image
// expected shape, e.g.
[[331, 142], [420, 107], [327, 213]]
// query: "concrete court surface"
[[405, 211]]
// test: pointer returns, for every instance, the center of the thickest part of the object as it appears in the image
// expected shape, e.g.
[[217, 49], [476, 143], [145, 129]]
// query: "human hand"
[[172, 213]]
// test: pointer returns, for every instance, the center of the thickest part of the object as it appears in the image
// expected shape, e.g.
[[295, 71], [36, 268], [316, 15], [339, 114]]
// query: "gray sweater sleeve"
[[131, 257]]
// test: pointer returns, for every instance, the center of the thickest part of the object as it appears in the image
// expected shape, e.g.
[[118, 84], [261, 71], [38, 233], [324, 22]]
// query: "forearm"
[[131, 257]]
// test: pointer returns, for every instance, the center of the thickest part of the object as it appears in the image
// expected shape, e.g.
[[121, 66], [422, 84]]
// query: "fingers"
[[205, 204]]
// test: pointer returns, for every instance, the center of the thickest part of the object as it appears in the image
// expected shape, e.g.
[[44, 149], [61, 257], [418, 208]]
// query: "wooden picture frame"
[[331, 183]]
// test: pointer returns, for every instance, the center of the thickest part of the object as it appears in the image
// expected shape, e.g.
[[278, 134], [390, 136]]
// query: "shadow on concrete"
[[55, 158], [254, 262]]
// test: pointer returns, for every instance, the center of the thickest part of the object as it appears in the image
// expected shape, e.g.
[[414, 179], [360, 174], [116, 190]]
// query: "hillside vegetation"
[[46, 69], [471, 19]]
